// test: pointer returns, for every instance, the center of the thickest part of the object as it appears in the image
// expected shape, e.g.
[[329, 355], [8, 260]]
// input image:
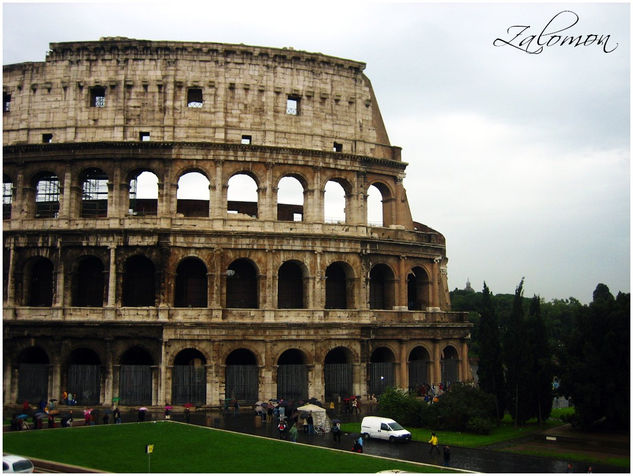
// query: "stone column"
[[404, 370], [112, 278], [402, 297], [213, 385], [56, 380], [171, 199], [59, 283], [464, 371], [218, 204], [108, 378], [436, 374], [7, 382], [266, 197], [65, 210], [11, 277], [162, 374], [435, 287]]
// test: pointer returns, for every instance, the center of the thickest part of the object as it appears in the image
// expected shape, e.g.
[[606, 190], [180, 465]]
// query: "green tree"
[[595, 363], [490, 370]]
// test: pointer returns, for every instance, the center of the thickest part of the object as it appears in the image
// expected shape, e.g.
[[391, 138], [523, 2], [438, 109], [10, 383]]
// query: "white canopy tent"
[[319, 416]]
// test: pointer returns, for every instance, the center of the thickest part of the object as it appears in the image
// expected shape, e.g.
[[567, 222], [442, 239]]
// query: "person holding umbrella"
[[336, 430]]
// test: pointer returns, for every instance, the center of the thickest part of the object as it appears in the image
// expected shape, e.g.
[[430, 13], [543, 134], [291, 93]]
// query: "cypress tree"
[[515, 358]]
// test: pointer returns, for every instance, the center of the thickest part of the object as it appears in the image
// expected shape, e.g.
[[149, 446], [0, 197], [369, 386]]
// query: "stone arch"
[[242, 284], [382, 372], [193, 194], [135, 376], [47, 194], [291, 285], [418, 289], [143, 192], [88, 282], [241, 375], [189, 377], [242, 187], [292, 375], [381, 287], [94, 193], [33, 373], [378, 204], [138, 282], [338, 373], [339, 286], [84, 375], [336, 193], [191, 283], [291, 189], [449, 365], [419, 368], [39, 282]]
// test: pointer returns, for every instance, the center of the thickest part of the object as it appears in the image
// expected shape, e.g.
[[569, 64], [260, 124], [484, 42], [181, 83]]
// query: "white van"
[[383, 428]]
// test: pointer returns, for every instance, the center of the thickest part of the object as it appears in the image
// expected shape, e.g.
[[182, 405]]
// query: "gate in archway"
[[241, 382], [292, 382], [189, 384], [338, 380], [33, 382], [135, 385], [85, 382], [381, 376]]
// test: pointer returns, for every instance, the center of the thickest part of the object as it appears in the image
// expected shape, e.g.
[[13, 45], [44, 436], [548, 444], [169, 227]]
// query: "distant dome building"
[[151, 254]]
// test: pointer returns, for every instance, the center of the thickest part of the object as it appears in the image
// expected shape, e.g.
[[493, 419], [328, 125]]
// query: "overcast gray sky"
[[520, 159]]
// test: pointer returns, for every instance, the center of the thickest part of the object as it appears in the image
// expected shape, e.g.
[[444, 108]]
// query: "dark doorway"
[[33, 365], [88, 283], [450, 365], [292, 376], [381, 284], [381, 371], [338, 374], [417, 289], [242, 376], [84, 376], [241, 285], [40, 285], [290, 286], [191, 284], [418, 368], [138, 282], [336, 287], [135, 378], [189, 378]]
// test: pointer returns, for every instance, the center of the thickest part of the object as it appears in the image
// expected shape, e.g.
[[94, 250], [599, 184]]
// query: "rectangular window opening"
[[246, 139], [47, 138], [6, 101], [194, 97], [97, 96], [337, 147], [297, 217], [144, 136], [292, 106]]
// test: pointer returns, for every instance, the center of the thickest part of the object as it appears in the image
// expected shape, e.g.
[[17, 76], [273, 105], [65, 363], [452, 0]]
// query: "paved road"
[[480, 460]]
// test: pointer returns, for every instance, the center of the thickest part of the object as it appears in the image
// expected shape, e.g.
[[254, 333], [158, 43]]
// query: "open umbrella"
[[22, 416], [188, 405], [336, 420], [168, 407], [87, 411], [142, 409], [40, 414]]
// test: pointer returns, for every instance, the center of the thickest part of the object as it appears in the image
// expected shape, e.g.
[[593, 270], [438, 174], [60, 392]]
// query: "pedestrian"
[[116, 414], [304, 421], [361, 442], [358, 445], [336, 432], [283, 428], [447, 455], [293, 433], [570, 468], [106, 418], [236, 407], [141, 414], [187, 414], [434, 441], [51, 421], [310, 424]]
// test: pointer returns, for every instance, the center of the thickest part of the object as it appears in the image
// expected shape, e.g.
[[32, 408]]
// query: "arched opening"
[[338, 373], [46, 196], [40, 283], [242, 196], [94, 196], [88, 283], [84, 376], [418, 289], [135, 377], [334, 202], [381, 370], [33, 365], [143, 194], [242, 376], [138, 282], [374, 207], [419, 362], [450, 365], [189, 378], [338, 286], [7, 196], [292, 376], [193, 195], [241, 285], [191, 284], [290, 200], [290, 286], [381, 287]]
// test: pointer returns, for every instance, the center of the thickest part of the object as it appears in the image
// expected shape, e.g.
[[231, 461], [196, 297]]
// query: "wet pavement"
[[479, 460]]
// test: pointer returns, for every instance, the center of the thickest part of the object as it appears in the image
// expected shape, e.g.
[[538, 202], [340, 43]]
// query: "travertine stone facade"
[[170, 299]]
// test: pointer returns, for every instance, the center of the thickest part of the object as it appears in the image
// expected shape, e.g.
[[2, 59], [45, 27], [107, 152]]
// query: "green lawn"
[[180, 448]]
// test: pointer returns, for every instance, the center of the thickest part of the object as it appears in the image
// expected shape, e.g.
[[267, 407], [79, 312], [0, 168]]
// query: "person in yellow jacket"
[[434, 444]]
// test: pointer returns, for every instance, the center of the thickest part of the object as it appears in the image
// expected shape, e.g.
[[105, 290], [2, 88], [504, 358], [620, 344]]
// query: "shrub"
[[401, 406], [480, 426]]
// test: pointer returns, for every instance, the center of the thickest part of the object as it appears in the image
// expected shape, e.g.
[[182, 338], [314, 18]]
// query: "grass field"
[[182, 448]]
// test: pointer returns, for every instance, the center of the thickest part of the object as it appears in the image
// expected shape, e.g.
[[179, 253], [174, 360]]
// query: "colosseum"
[[188, 223]]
